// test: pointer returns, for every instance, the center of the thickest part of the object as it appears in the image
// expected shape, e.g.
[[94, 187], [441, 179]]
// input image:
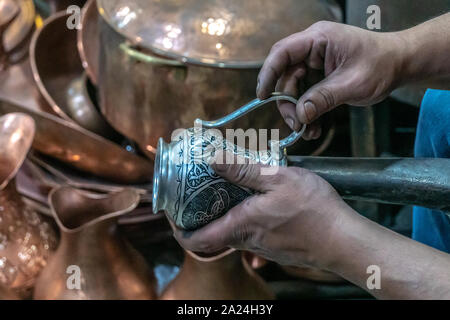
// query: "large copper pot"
[[165, 63]]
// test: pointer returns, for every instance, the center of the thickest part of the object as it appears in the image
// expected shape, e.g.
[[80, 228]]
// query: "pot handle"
[[251, 106], [146, 58]]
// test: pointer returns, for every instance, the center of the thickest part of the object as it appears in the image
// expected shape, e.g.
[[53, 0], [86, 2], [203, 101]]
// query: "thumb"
[[323, 97]]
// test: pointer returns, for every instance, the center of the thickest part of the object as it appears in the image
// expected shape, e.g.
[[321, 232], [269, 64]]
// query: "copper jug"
[[226, 278], [25, 240], [93, 261]]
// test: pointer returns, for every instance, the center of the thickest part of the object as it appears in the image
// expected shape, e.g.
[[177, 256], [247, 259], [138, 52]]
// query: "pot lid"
[[232, 33]]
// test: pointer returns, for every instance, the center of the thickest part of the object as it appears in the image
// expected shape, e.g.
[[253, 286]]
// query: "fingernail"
[[291, 123], [257, 88], [310, 110]]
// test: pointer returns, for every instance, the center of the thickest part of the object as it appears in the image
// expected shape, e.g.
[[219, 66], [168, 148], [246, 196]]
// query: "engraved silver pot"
[[184, 184]]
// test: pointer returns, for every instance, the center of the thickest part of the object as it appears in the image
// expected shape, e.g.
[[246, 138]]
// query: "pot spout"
[[402, 181]]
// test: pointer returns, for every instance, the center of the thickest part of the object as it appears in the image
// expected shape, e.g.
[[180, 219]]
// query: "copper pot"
[[229, 278], [108, 267], [25, 240], [165, 63], [88, 40]]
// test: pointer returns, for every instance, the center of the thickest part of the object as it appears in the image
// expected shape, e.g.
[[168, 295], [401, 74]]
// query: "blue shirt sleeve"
[[432, 227]]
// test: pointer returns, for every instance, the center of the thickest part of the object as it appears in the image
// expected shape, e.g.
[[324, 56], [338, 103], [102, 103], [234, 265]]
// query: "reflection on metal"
[[402, 181], [109, 268], [237, 33], [25, 240], [82, 149], [88, 40], [193, 59]]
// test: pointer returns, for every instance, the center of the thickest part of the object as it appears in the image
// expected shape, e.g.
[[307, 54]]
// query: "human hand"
[[360, 67], [293, 220]]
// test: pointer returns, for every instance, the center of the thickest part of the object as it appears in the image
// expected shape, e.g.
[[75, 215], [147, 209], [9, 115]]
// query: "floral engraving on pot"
[[206, 196]]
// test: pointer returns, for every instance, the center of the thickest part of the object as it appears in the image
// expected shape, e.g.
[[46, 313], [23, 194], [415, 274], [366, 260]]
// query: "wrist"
[[405, 58], [346, 223]]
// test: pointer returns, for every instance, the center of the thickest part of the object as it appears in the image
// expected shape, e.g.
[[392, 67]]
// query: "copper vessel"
[[166, 62], [229, 278], [109, 267], [82, 149], [184, 184], [59, 75], [25, 240], [89, 40]]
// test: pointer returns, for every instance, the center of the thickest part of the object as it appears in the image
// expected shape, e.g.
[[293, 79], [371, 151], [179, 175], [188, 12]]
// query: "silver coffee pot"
[[184, 184]]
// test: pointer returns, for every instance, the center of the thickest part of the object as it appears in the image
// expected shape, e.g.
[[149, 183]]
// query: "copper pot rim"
[[176, 57], [18, 164], [35, 70], [91, 196], [80, 42]]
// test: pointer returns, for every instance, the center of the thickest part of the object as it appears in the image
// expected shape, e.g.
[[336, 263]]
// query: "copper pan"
[[88, 40], [82, 149], [57, 69]]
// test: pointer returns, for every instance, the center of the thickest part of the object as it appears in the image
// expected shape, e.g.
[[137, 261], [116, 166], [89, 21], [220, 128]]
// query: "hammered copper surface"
[[235, 33], [25, 240], [109, 267], [229, 278], [89, 40]]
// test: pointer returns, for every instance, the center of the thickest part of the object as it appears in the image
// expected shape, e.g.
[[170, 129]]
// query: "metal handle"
[[146, 58], [251, 106]]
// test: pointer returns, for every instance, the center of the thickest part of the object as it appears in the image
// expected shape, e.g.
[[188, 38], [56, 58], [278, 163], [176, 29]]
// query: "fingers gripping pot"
[[186, 187]]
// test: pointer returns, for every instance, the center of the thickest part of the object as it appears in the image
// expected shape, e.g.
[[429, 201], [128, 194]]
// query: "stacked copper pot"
[[99, 87]]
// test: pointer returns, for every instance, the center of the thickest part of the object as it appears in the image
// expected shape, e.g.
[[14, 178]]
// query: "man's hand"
[[360, 68], [298, 219], [292, 220]]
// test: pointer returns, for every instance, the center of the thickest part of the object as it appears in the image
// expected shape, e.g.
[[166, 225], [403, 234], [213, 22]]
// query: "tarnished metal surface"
[[402, 181]]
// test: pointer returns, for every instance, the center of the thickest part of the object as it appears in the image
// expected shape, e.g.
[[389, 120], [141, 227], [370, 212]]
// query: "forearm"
[[427, 53], [409, 270]]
